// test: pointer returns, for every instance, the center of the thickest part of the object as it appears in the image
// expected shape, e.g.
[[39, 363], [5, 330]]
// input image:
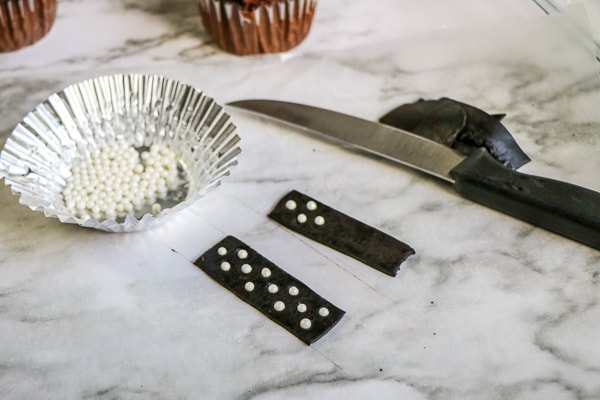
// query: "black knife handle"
[[569, 210]]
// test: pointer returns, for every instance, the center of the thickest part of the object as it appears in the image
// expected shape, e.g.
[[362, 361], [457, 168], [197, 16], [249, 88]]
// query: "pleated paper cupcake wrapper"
[[24, 22], [137, 110], [270, 28]]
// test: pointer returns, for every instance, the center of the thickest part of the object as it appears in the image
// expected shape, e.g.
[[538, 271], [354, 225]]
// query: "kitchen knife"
[[569, 210]]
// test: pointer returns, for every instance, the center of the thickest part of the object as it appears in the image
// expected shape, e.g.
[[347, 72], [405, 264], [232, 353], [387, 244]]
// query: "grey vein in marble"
[[489, 307]]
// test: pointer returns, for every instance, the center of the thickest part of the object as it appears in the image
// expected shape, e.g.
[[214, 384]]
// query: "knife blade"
[[560, 207]]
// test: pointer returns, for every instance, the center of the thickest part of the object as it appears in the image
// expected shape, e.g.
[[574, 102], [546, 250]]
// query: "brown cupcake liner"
[[268, 28], [24, 22]]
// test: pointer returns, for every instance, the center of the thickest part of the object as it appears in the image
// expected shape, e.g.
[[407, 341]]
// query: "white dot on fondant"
[[290, 205], [266, 272], [319, 220], [273, 288], [246, 268], [249, 286], [225, 266], [305, 323], [279, 306], [242, 254], [301, 308], [311, 205], [302, 218], [222, 251], [323, 311], [293, 290]]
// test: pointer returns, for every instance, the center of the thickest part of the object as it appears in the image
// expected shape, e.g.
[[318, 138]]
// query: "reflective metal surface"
[[394, 144], [139, 110]]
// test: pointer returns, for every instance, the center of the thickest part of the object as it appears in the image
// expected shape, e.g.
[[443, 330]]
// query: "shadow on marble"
[[182, 15]]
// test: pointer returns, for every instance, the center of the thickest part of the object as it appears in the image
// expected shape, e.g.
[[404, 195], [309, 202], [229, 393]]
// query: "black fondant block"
[[341, 232], [268, 288], [460, 126]]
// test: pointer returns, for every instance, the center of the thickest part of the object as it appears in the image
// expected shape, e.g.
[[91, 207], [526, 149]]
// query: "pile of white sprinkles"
[[117, 180]]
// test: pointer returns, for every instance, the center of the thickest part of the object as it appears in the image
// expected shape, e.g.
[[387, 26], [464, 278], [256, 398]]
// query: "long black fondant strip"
[[268, 288], [321, 223]]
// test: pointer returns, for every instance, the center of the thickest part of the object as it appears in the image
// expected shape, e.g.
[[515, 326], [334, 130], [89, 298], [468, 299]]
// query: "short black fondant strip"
[[321, 223], [268, 288]]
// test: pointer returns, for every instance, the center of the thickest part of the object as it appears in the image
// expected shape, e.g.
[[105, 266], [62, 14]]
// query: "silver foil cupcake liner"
[[134, 110]]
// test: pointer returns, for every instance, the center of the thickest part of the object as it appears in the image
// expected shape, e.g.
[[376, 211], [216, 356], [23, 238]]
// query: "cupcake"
[[257, 26], [24, 22]]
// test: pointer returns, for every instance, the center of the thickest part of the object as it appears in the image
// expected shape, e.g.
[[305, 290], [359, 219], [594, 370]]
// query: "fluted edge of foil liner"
[[269, 28], [138, 110], [24, 22]]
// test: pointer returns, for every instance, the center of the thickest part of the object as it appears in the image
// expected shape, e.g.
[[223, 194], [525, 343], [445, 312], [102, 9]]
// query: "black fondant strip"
[[321, 223], [268, 288]]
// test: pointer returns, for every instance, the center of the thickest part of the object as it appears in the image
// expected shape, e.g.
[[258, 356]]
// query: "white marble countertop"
[[488, 308]]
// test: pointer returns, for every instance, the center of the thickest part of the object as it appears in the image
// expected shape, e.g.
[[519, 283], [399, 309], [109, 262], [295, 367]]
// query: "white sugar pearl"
[[127, 194], [305, 323], [266, 272], [249, 286], [242, 254], [302, 218], [301, 308], [222, 251], [273, 288], [279, 306], [319, 220], [172, 184], [323, 311], [225, 266], [290, 205], [246, 268], [293, 291]]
